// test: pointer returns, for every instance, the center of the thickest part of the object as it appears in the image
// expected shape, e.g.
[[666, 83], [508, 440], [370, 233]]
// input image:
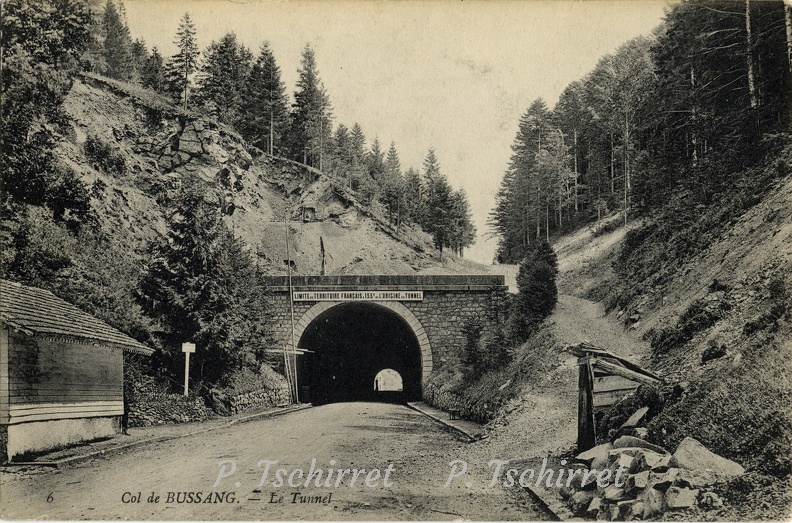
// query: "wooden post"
[[186, 372], [586, 433], [187, 348]]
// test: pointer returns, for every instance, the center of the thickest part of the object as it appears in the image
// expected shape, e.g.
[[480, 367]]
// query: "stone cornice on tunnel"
[[483, 283]]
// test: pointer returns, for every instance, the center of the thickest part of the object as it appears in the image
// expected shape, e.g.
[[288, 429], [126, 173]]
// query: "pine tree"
[[393, 187], [357, 145], [40, 46], [375, 159], [152, 74], [222, 78], [202, 286], [519, 208], [117, 46], [438, 220], [264, 113], [621, 86], [140, 56], [341, 151], [185, 62], [537, 292], [311, 114], [414, 196], [463, 232]]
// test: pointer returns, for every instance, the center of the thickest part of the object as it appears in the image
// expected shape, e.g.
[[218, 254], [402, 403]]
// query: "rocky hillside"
[[133, 148]]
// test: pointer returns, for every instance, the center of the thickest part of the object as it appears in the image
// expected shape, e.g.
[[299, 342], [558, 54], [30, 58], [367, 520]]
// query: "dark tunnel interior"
[[351, 343]]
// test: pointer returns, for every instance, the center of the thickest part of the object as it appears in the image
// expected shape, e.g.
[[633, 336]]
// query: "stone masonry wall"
[[442, 314]]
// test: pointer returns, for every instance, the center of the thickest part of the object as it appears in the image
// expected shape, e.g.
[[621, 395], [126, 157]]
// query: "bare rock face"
[[702, 466]]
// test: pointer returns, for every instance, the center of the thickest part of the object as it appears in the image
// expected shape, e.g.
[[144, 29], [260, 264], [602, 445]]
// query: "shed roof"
[[35, 311], [585, 348]]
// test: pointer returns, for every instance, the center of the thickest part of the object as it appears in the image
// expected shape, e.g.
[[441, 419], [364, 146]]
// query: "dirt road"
[[366, 436]]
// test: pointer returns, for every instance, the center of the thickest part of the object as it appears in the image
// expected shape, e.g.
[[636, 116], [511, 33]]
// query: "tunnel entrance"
[[351, 344]]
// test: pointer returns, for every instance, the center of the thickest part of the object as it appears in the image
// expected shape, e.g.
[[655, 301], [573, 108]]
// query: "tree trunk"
[[576, 173], [612, 166], [547, 222], [186, 86], [626, 166], [788, 18], [749, 57]]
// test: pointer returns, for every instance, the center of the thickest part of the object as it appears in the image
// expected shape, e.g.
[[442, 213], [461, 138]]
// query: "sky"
[[451, 75]]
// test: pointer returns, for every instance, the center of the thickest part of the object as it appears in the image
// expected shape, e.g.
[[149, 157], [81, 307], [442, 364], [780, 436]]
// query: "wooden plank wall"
[[58, 379], [610, 389]]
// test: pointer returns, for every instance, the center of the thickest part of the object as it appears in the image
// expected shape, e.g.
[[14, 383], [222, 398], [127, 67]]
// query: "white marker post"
[[187, 348]]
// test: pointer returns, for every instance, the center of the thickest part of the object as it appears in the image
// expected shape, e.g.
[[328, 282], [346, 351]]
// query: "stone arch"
[[395, 306]]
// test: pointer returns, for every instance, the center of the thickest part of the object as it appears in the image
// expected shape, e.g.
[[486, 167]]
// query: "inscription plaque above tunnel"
[[358, 296]]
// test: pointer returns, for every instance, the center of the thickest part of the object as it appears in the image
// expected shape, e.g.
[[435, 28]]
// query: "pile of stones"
[[646, 481]]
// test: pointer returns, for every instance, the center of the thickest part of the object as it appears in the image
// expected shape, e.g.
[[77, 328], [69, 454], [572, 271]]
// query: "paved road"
[[410, 452]]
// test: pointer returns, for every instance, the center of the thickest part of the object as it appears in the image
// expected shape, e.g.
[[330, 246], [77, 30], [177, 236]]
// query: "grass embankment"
[[482, 397]]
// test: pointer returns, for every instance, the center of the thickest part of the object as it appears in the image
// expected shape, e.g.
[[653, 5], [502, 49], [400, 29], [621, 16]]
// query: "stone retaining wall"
[[257, 399], [158, 408]]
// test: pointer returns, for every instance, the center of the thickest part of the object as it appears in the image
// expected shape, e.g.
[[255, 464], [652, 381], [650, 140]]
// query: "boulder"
[[626, 508], [578, 473], [663, 480], [640, 432], [632, 441], [693, 456], [654, 502], [625, 462], [680, 497], [594, 507], [614, 493], [580, 502], [588, 482], [636, 482], [616, 454], [595, 454], [636, 511], [649, 459]]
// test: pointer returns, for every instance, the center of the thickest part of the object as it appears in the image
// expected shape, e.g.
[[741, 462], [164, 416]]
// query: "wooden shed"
[[603, 379], [61, 373]]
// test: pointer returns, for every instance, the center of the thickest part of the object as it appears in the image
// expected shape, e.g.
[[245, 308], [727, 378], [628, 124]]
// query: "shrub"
[[68, 198], [104, 157], [537, 293], [695, 319]]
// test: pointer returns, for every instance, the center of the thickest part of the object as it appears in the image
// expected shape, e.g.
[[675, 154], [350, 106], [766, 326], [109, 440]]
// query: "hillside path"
[[578, 319]]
